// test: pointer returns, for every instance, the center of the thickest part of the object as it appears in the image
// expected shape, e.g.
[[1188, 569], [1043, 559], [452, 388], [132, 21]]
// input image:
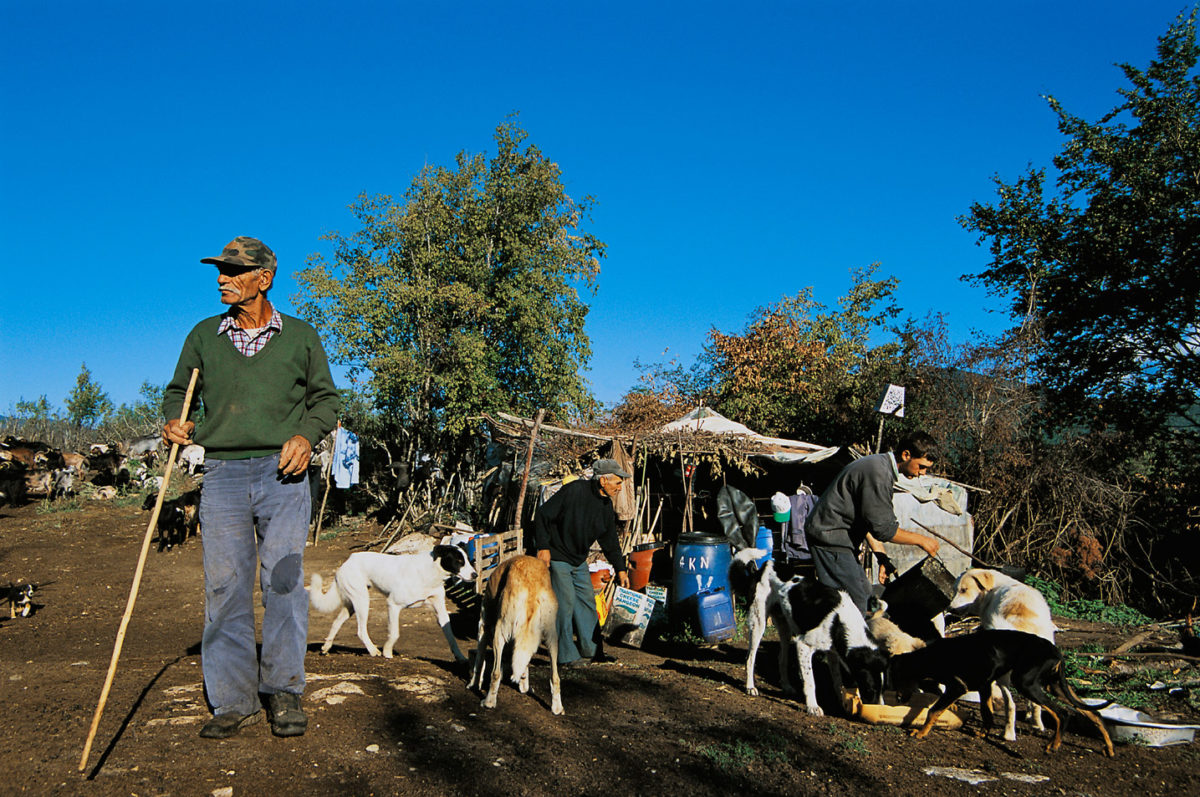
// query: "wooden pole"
[[654, 523], [137, 579], [328, 482], [537, 424]]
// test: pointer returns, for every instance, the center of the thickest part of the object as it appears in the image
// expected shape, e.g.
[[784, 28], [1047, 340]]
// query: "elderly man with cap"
[[268, 397], [566, 526]]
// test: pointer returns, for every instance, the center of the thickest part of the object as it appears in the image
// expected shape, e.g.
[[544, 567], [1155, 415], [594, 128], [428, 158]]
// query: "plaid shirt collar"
[[242, 339]]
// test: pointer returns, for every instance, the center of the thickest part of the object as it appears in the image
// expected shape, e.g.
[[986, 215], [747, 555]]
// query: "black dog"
[[178, 520], [975, 661]]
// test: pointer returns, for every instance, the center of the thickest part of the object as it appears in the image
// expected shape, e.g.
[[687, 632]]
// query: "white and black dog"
[[811, 617], [405, 579]]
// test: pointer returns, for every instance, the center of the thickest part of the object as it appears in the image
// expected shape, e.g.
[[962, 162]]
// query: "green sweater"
[[252, 405]]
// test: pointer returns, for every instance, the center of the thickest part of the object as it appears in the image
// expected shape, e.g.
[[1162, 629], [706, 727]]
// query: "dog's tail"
[[1067, 694], [324, 601]]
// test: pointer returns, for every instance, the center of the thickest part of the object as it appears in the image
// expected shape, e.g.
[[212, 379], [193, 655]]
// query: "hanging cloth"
[[345, 458], [793, 541], [625, 504], [738, 517]]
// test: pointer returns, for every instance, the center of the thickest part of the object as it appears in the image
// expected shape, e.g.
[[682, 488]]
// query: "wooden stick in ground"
[[324, 498], [137, 578], [537, 424], [654, 523]]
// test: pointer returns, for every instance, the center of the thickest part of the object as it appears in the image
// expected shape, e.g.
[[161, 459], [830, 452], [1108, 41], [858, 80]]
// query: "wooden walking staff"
[[137, 578]]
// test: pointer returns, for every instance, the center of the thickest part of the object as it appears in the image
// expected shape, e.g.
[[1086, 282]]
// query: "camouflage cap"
[[246, 252]]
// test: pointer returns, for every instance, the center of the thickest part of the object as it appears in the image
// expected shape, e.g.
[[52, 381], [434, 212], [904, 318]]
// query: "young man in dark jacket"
[[859, 502], [566, 526]]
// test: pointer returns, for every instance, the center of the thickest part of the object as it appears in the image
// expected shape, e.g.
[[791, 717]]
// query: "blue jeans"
[[252, 518], [576, 610]]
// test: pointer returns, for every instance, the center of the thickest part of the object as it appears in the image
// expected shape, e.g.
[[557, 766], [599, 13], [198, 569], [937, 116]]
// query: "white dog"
[[519, 607], [811, 617], [405, 579], [1002, 602]]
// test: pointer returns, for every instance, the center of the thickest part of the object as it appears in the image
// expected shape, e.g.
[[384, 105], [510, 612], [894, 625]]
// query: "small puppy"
[[1001, 602], [405, 579], [811, 617], [976, 661], [20, 600], [887, 633], [519, 607]]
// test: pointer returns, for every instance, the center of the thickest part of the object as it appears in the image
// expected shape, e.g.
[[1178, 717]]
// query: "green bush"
[[1085, 608]]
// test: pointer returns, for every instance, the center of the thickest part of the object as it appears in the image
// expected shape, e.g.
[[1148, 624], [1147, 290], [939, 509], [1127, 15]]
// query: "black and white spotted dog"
[[811, 617]]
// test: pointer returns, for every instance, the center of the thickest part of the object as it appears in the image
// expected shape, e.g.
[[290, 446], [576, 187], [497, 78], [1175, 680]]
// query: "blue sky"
[[737, 152]]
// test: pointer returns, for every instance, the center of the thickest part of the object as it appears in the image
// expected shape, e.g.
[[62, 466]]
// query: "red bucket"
[[641, 560]]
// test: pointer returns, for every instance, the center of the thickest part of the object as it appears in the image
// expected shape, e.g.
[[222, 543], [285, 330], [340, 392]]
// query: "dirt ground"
[[664, 720]]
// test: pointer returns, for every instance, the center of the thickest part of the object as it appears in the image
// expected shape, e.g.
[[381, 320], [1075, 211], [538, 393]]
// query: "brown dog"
[[519, 607]]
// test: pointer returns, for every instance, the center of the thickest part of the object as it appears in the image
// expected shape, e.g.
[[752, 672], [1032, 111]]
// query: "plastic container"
[[701, 563], [924, 590], [765, 541], [714, 613], [641, 561], [1130, 725], [600, 577]]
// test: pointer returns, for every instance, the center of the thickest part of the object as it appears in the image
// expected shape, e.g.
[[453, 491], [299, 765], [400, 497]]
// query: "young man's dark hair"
[[918, 444]]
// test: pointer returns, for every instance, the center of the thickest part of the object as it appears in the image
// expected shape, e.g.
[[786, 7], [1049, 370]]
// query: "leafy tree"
[[1106, 260], [464, 297], [143, 417], [800, 368], [87, 404], [38, 410]]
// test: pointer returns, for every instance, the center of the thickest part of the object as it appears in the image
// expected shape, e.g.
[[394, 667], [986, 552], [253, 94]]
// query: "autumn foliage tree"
[[801, 368]]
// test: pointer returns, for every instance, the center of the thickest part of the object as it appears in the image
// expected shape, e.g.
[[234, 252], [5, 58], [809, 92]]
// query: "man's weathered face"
[[911, 466], [241, 285], [611, 485]]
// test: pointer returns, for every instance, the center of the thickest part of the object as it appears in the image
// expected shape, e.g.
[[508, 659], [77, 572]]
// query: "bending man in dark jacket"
[[859, 502], [566, 526]]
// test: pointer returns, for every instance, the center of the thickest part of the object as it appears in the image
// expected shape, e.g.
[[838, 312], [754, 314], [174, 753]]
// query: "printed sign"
[[892, 401]]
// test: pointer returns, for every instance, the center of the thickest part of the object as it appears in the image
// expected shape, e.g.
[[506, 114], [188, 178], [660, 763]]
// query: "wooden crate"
[[492, 549]]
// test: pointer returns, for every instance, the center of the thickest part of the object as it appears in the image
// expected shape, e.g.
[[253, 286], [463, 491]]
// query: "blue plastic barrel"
[[701, 563], [714, 610], [765, 541]]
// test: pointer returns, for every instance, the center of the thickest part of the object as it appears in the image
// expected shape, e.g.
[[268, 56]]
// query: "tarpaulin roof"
[[706, 420]]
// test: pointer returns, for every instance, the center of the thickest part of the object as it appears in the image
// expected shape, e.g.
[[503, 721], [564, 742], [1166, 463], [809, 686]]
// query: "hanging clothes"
[[345, 458], [794, 543], [625, 504]]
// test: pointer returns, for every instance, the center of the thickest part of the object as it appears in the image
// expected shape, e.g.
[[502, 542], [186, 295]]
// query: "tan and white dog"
[[1003, 603], [518, 607], [889, 635], [405, 579]]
